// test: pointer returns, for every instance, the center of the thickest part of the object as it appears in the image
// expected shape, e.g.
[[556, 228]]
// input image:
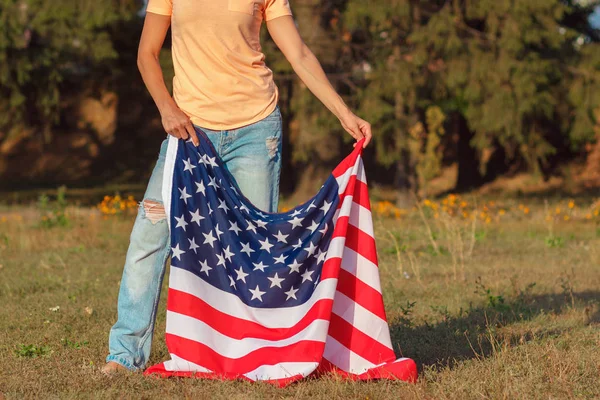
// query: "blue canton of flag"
[[267, 260]]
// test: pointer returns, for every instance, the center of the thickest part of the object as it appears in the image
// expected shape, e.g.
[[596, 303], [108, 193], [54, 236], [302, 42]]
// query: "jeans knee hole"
[[272, 143], [154, 211]]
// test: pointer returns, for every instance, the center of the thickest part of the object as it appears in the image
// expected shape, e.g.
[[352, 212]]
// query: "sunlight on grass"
[[493, 299]]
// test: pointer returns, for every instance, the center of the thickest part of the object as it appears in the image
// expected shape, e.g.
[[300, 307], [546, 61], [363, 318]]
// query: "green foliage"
[[524, 74], [554, 241], [53, 213], [45, 46], [32, 351], [496, 302], [74, 345]]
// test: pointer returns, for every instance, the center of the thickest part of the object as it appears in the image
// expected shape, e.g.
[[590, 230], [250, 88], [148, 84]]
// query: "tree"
[[48, 49], [500, 71]]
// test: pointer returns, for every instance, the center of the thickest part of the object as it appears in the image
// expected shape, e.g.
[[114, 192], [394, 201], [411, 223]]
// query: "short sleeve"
[[276, 8], [162, 7]]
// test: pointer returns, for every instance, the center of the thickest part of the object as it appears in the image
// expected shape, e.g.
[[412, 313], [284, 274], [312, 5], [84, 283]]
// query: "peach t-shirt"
[[221, 80]]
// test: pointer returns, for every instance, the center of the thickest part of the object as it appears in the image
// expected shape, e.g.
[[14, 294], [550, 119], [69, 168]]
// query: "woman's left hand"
[[357, 127]]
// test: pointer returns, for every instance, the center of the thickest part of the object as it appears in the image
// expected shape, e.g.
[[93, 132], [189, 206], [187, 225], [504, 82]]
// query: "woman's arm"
[[285, 34], [175, 122]]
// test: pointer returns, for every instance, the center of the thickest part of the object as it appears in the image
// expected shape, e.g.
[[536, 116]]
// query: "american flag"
[[272, 296]]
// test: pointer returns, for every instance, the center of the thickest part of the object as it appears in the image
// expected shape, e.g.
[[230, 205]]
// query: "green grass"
[[517, 316]]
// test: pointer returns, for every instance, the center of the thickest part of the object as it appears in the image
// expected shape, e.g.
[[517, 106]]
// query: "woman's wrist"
[[340, 109], [166, 105]]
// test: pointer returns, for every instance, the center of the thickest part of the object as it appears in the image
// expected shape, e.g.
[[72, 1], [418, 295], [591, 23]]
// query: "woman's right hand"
[[178, 124]]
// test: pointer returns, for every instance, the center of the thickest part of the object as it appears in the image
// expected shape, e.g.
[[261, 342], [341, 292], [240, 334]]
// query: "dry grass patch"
[[514, 316]]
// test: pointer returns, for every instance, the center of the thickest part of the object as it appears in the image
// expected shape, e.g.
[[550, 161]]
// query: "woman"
[[222, 86]]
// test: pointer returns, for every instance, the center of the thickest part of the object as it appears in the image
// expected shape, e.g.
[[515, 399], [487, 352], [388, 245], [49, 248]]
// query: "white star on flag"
[[246, 248], [326, 206], [313, 227], [265, 245], [257, 294], [193, 245], [218, 231], [295, 266], [213, 182], [228, 254], [196, 217], [188, 166], [281, 237], [311, 249], [251, 227], [205, 267], [200, 188], [177, 252], [209, 239], [241, 275], [223, 206], [181, 222], [259, 266], [275, 280], [184, 195], [234, 228], [296, 222], [291, 294], [280, 259], [306, 276], [221, 258]]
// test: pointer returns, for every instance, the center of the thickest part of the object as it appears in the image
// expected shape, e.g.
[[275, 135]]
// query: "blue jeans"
[[252, 154]]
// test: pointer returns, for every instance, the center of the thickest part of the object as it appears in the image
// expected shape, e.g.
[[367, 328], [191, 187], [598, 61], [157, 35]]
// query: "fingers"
[[192, 132], [355, 132], [366, 130]]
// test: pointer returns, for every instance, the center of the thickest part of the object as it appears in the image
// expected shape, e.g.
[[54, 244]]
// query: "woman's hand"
[[177, 123], [357, 127]]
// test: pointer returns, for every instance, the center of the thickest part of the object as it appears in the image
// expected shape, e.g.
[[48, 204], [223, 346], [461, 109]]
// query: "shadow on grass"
[[474, 333]]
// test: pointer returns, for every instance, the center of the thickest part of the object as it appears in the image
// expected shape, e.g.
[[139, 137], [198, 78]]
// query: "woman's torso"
[[221, 80]]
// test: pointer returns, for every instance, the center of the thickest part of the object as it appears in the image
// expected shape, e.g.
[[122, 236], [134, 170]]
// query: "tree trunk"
[[469, 176]]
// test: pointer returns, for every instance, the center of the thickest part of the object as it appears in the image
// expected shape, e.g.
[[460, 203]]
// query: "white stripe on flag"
[[198, 331], [362, 268], [362, 319], [340, 356], [359, 216], [357, 169], [169, 167], [354, 263], [177, 363], [228, 303]]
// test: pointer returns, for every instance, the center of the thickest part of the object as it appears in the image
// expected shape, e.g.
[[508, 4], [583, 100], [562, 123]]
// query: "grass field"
[[505, 305]]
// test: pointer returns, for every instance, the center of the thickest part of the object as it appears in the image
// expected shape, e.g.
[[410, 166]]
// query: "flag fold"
[[272, 296]]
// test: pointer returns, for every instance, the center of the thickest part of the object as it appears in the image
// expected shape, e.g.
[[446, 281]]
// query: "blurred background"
[[462, 94]]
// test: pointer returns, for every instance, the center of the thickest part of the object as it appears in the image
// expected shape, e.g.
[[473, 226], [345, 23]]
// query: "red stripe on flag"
[[361, 293], [238, 328], [404, 369], [362, 243], [359, 191], [359, 342], [356, 240], [348, 162], [203, 355]]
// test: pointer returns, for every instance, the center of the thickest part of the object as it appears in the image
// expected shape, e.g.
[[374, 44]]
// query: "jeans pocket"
[[243, 6]]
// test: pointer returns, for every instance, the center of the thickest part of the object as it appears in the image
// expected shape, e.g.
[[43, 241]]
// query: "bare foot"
[[112, 367]]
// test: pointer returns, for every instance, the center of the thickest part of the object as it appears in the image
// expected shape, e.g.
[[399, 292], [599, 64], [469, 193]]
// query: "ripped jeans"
[[253, 156]]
